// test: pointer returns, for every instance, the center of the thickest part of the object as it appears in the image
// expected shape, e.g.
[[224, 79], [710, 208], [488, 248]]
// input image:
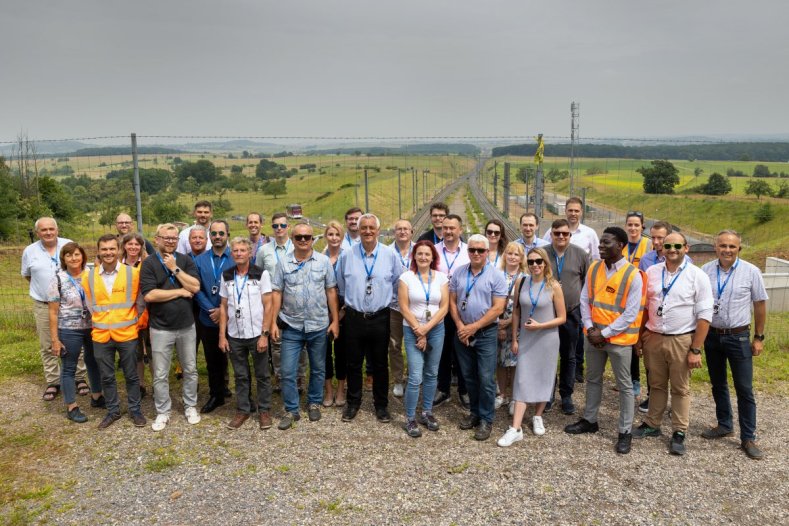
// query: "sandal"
[[82, 388], [50, 393]]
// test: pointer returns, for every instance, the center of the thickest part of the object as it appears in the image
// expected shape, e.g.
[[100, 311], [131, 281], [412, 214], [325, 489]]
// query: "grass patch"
[[459, 468], [164, 459]]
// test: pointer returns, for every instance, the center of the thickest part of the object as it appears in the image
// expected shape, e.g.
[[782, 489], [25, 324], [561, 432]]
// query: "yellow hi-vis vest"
[[114, 315], [608, 296], [641, 249]]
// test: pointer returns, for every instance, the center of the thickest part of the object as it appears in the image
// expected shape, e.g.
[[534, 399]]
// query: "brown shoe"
[[264, 420], [752, 450], [238, 420]]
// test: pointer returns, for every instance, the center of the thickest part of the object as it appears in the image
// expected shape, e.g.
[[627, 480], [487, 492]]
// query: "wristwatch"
[[266, 333], [759, 337], [177, 270], [695, 351]]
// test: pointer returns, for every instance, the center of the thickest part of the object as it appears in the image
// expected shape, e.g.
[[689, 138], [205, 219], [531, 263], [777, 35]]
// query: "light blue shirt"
[[352, 278], [349, 242], [40, 267], [303, 285], [534, 244], [271, 253], [490, 284], [406, 263], [745, 285]]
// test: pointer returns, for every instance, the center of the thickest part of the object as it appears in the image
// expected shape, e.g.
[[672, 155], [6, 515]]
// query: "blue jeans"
[[478, 367], [736, 348], [422, 368], [293, 341], [74, 340]]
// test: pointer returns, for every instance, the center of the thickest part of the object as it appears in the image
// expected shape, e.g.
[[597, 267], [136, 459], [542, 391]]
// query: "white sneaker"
[[192, 416], [510, 437], [160, 422], [512, 407], [498, 402], [397, 390], [537, 426]]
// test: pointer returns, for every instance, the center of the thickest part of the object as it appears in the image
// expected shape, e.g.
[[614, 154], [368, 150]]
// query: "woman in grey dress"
[[535, 340]]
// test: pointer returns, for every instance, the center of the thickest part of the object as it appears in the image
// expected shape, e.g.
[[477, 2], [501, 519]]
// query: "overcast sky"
[[427, 68]]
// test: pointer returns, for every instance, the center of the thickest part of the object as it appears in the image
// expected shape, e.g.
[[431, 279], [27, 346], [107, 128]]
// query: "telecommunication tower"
[[574, 107]]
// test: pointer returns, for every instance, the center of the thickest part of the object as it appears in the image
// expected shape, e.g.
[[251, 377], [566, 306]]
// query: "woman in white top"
[[423, 295], [513, 264], [335, 367]]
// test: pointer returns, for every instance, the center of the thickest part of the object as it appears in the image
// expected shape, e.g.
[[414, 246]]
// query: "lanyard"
[[369, 270], [167, 270], [301, 266], [497, 258], [276, 252], [559, 265], [449, 267], [721, 288], [533, 299], [632, 255], [79, 289], [405, 260], [239, 290], [222, 259], [427, 290], [663, 282], [53, 259], [474, 281], [512, 284], [349, 239]]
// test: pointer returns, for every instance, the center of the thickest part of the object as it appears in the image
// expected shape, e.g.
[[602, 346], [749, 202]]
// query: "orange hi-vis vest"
[[641, 249], [115, 315], [608, 297]]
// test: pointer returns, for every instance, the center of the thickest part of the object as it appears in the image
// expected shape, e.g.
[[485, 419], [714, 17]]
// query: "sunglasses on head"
[[493, 232], [302, 237], [477, 250], [635, 213], [279, 225], [675, 246], [535, 261], [560, 234], [218, 233]]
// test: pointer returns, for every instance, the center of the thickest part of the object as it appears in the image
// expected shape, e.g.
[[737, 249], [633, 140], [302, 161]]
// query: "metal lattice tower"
[[574, 107]]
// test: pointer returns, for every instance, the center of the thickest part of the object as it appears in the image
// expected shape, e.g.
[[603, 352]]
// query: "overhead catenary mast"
[[574, 107]]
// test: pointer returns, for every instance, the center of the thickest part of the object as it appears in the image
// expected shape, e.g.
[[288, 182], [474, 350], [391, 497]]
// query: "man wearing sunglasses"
[[210, 265], [305, 313], [203, 212], [569, 264], [366, 276], [679, 310], [477, 297], [736, 285], [612, 306]]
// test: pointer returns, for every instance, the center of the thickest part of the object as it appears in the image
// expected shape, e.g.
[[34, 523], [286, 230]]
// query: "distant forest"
[[733, 151], [414, 149], [117, 150]]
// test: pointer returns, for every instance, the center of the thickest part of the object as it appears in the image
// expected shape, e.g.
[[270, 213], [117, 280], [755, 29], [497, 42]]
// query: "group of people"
[[491, 315]]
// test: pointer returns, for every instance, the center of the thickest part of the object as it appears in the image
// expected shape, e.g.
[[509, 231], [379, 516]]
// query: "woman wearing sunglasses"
[[535, 340], [497, 238], [513, 264]]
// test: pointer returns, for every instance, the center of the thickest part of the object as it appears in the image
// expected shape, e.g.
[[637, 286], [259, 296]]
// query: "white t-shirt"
[[417, 302]]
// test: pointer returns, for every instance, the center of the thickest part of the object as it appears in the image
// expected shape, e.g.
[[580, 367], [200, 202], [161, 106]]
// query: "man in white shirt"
[[679, 310], [582, 235], [203, 212]]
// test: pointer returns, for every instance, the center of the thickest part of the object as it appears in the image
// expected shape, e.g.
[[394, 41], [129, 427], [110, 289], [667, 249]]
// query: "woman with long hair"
[[133, 249], [133, 253], [336, 367], [423, 296], [539, 311], [70, 327], [513, 265], [497, 238]]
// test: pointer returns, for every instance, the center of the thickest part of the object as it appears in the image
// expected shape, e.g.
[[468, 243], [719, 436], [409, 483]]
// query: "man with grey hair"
[[366, 276], [402, 245], [198, 239], [477, 297], [40, 261], [736, 286]]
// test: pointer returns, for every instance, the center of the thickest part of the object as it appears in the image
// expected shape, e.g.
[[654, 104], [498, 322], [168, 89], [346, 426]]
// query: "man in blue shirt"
[[477, 297], [210, 265], [530, 223], [366, 276]]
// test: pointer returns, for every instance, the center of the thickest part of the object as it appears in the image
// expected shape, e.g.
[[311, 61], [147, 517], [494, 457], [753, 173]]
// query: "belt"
[[366, 315], [486, 327], [680, 334], [735, 330]]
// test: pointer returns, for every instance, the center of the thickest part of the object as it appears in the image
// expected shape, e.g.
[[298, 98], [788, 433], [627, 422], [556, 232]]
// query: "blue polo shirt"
[[210, 268], [490, 283]]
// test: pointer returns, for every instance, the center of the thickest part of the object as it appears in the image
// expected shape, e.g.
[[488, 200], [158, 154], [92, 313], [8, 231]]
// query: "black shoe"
[[99, 402], [314, 412], [645, 430], [568, 407], [108, 420], [716, 432], [623, 444], [412, 429], [382, 414], [483, 431], [677, 444], [441, 397], [212, 403], [579, 378], [643, 407], [582, 426], [465, 401], [548, 406], [138, 419], [752, 450], [76, 416], [349, 413], [428, 420], [469, 422]]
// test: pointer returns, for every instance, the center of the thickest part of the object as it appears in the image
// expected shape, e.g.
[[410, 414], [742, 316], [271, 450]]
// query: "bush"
[[595, 170], [763, 214], [716, 185]]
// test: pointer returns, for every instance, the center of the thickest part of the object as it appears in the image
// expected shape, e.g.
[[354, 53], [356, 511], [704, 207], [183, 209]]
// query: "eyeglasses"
[[168, 239], [303, 237], [123, 222], [675, 246], [560, 234], [538, 261], [220, 233], [477, 250], [493, 232], [438, 216], [279, 225]]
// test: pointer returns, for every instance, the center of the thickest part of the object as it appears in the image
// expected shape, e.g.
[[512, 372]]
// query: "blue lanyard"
[[239, 290], [497, 258], [276, 253], [663, 281], [79, 288], [405, 260], [301, 266], [512, 284], [427, 290], [532, 298], [222, 259], [167, 270], [369, 270], [559, 265], [631, 256], [449, 267], [53, 259], [721, 288], [474, 281]]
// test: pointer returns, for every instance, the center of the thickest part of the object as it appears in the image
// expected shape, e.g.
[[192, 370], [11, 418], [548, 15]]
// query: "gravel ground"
[[369, 473]]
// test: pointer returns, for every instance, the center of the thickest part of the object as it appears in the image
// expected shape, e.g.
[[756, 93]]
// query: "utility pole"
[[495, 184], [538, 183], [136, 181], [506, 206], [574, 111], [399, 195], [366, 193]]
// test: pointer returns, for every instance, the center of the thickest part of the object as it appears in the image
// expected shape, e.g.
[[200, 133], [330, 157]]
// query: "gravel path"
[[370, 473]]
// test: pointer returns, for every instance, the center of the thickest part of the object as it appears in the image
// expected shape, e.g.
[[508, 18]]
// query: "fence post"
[[136, 182], [506, 192], [399, 194], [495, 185], [366, 194]]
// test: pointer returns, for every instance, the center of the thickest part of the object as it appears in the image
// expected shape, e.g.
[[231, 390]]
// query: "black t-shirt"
[[170, 315]]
